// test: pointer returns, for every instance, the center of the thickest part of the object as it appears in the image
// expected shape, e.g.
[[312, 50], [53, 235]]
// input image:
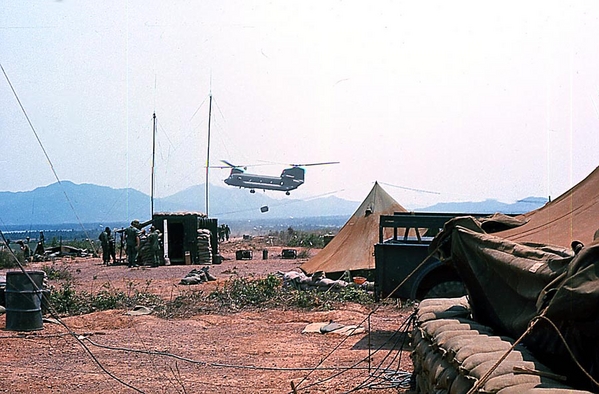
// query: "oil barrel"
[[24, 300], [265, 254]]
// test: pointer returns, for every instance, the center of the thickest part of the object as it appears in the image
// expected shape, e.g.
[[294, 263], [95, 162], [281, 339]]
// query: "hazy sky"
[[469, 100]]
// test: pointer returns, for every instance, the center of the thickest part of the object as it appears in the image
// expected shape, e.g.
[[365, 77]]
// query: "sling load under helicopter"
[[290, 179]]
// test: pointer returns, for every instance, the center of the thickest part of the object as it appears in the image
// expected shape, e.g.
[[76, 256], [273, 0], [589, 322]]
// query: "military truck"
[[403, 257]]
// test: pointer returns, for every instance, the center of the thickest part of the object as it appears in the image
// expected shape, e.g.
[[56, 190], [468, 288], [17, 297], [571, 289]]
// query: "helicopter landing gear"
[[252, 191], [287, 193]]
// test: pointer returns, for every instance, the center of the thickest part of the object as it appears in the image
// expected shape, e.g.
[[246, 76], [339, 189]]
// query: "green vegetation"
[[327, 300], [239, 293], [184, 305], [242, 293], [67, 302], [295, 238], [56, 272], [235, 295], [7, 260]]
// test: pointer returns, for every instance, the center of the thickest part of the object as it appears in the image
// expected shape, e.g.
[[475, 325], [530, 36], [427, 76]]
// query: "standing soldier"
[[25, 249], [112, 246], [108, 249], [154, 240], [103, 237], [221, 232], [132, 242]]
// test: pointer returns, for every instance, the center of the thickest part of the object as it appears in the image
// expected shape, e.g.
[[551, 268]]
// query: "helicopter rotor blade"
[[229, 164], [315, 164], [244, 166]]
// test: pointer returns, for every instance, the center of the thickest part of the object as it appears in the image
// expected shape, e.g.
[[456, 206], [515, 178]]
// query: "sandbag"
[[451, 354]]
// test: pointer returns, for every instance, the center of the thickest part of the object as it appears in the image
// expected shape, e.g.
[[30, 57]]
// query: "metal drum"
[[24, 300]]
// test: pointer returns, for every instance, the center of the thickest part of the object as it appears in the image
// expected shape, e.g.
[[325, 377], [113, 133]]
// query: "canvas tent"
[[353, 247], [572, 216]]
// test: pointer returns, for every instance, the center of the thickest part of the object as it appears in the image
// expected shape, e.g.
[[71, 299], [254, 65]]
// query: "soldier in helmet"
[[132, 243], [154, 240], [25, 249], [108, 250]]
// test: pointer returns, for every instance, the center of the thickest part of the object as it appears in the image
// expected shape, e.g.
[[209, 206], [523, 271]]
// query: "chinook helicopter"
[[290, 179]]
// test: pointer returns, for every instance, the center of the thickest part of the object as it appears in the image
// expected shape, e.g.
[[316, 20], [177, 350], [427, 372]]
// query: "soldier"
[[112, 247], [221, 232], [39, 254], [154, 240], [132, 243], [25, 249], [108, 250]]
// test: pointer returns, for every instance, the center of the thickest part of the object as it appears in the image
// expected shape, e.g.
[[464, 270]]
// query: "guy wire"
[[62, 323]]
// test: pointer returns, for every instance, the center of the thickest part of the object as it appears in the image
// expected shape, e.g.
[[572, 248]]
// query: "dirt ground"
[[243, 352]]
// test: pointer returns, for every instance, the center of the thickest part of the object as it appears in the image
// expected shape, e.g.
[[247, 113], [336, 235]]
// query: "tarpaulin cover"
[[353, 247], [510, 283]]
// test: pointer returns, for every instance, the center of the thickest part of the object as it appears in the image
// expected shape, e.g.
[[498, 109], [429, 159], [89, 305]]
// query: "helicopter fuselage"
[[290, 179]]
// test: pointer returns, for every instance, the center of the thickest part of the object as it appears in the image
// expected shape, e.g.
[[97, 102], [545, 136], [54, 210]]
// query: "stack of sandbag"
[[204, 247], [452, 352], [318, 281], [195, 277]]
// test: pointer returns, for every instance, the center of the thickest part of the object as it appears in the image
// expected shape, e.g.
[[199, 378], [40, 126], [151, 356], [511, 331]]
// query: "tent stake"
[[293, 387]]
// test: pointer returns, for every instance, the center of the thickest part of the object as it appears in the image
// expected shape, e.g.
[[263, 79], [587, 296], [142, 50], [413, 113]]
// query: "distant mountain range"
[[489, 206], [67, 203]]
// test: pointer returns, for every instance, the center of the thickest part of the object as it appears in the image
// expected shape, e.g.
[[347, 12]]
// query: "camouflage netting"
[[451, 353]]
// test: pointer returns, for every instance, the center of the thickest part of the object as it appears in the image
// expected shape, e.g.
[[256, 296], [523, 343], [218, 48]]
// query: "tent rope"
[[487, 375], [532, 323], [588, 375]]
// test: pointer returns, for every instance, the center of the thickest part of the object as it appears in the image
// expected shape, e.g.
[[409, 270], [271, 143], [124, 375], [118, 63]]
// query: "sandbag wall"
[[204, 247], [451, 352]]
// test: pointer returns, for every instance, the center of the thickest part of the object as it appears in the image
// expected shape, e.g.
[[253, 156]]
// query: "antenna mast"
[[153, 158], [208, 152]]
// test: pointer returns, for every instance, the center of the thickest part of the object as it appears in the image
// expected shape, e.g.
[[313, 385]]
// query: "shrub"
[[306, 239], [7, 260], [183, 305], [326, 300], [303, 254], [241, 292], [56, 272], [66, 301], [236, 294], [294, 238]]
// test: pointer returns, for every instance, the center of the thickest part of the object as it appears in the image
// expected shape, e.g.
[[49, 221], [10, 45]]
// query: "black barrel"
[[24, 300], [265, 254]]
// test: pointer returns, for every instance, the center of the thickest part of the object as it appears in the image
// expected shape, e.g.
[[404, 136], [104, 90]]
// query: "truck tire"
[[449, 289]]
